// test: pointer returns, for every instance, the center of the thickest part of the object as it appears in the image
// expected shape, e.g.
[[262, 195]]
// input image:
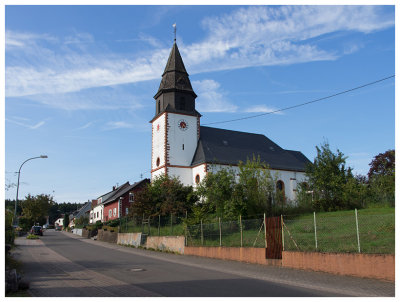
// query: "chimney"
[[113, 188]]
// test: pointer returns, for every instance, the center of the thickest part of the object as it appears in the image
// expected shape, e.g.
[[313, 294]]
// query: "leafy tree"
[[216, 191], [163, 196], [82, 221], [256, 187], [66, 221], [35, 208], [382, 164], [381, 179], [327, 178]]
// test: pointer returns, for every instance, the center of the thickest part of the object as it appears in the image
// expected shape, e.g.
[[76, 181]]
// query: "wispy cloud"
[[118, 125], [261, 109], [211, 98], [33, 127], [87, 125], [40, 64]]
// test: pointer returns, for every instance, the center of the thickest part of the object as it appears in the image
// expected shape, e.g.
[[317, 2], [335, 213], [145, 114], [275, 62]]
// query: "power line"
[[303, 104]]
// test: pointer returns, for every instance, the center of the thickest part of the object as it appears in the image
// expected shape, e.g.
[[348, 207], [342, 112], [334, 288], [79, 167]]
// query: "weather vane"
[[174, 26]]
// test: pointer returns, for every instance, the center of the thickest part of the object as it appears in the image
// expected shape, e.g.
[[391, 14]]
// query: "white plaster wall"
[[157, 173], [184, 174], [177, 138], [199, 170], [158, 141], [98, 209], [290, 178]]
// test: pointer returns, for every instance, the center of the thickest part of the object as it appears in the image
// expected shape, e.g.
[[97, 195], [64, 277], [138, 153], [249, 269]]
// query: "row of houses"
[[116, 203]]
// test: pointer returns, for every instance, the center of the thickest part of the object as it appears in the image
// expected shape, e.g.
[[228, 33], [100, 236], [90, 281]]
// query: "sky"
[[80, 81]]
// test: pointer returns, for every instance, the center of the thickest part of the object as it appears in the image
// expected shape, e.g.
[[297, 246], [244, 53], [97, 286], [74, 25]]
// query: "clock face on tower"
[[183, 125]]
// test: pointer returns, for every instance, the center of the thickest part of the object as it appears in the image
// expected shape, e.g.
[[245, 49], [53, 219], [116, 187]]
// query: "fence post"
[[171, 225], [201, 231], [265, 232], [159, 222], [241, 231], [358, 234], [220, 231], [283, 234], [315, 233]]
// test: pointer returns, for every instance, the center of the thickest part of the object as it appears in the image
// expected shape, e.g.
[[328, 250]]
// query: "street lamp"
[[19, 173]]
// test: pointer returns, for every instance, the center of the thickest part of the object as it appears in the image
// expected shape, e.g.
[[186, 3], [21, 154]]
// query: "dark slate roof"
[[227, 147], [110, 194], [87, 206], [175, 76], [124, 189]]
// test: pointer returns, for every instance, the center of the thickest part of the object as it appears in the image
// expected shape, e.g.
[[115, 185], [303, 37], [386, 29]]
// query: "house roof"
[[124, 189], [227, 147]]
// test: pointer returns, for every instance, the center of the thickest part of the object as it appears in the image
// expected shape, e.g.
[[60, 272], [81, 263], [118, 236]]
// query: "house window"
[[97, 215], [183, 146], [110, 213], [115, 212], [126, 211], [197, 178], [131, 197]]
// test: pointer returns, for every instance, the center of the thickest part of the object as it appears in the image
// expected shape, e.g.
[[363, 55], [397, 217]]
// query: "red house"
[[117, 205]]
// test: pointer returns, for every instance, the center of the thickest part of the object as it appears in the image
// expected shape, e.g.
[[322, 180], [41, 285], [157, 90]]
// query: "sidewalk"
[[336, 284]]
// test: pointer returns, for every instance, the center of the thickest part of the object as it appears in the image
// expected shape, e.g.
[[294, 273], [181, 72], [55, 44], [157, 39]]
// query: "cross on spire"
[[174, 26]]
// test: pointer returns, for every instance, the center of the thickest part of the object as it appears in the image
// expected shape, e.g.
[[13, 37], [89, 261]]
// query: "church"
[[181, 147]]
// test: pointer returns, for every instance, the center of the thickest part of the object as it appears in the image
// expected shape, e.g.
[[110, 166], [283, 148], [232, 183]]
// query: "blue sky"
[[80, 82]]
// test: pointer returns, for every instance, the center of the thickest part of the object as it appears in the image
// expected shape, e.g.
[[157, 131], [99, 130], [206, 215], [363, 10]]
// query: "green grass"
[[336, 232]]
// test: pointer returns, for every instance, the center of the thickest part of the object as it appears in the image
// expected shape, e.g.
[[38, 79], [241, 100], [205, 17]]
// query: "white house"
[[183, 148]]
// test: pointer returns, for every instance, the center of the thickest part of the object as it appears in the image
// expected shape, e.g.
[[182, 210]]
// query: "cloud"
[[118, 125], [211, 98], [33, 127], [39, 64], [87, 125], [261, 109]]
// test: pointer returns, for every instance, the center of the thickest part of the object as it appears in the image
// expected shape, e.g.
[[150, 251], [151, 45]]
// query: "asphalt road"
[[62, 264]]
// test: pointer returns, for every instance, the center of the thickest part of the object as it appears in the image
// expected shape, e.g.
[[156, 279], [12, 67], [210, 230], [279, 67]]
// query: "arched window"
[[280, 190], [197, 179], [158, 161], [159, 106]]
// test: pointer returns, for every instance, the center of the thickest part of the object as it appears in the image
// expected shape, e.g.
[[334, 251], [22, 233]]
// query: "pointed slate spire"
[[175, 77]]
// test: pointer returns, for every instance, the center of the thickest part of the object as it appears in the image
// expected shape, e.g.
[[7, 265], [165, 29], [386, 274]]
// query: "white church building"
[[183, 148]]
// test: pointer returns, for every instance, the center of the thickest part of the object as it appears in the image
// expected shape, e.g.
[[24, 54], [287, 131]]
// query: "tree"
[[327, 178], [35, 208], [256, 185], [382, 164], [216, 191], [381, 179], [66, 221], [164, 196]]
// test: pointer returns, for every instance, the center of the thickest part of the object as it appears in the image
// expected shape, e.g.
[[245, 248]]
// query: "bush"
[[31, 236]]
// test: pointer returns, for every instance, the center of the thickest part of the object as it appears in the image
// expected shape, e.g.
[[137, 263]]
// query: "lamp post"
[[19, 173]]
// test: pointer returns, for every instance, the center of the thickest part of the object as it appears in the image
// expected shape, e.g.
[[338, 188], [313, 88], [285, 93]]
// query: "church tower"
[[176, 124]]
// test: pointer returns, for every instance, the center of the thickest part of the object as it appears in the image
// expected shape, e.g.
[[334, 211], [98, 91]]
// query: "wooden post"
[[315, 233], [283, 234], [265, 232], [220, 231], [358, 234], [159, 223], [201, 232], [241, 231]]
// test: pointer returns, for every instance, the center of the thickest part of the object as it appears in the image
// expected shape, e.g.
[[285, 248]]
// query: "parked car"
[[37, 230], [58, 227]]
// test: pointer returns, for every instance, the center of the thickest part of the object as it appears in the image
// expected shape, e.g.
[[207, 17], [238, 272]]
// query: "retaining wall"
[[77, 232], [167, 243], [129, 239], [243, 254], [107, 236], [359, 265]]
